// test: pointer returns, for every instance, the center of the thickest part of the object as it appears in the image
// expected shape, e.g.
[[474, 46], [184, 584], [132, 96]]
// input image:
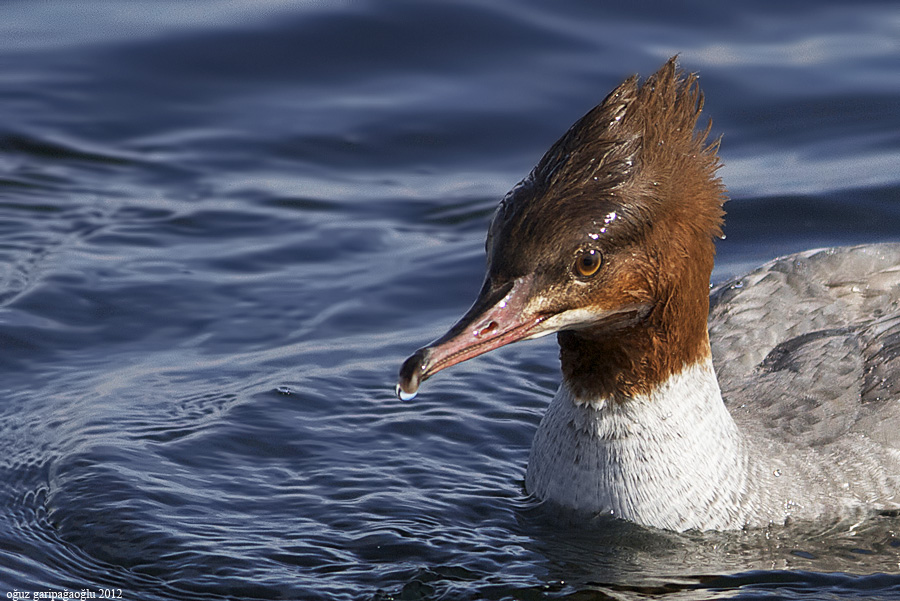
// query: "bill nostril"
[[488, 329]]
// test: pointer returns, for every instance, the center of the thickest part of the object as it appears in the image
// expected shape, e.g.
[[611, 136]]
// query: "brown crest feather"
[[661, 176]]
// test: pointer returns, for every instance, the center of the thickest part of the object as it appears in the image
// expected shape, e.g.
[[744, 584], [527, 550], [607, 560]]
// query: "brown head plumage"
[[608, 241], [637, 152]]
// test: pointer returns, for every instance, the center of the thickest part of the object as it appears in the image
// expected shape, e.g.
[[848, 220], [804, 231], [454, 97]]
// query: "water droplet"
[[403, 395], [777, 473]]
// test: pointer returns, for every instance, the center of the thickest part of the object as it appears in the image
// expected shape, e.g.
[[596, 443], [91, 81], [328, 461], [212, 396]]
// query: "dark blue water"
[[223, 225]]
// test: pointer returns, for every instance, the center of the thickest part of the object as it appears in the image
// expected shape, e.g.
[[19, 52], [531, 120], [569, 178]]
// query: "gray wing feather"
[[807, 347]]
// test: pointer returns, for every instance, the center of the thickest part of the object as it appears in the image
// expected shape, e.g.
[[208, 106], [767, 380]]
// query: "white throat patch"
[[673, 459]]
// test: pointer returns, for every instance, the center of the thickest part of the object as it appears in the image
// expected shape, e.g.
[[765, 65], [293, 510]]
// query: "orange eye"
[[588, 262]]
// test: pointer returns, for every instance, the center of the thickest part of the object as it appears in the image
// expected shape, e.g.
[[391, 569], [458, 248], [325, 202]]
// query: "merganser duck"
[[609, 243]]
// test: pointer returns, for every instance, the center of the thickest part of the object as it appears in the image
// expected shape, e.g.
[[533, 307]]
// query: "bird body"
[[775, 398]]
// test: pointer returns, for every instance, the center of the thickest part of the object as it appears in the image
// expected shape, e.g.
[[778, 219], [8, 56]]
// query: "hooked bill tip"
[[411, 376], [405, 396]]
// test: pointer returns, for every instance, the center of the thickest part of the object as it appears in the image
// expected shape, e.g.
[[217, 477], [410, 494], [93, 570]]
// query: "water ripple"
[[219, 237]]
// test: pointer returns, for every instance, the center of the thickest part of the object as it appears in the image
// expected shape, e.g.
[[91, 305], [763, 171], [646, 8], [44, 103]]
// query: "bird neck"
[[672, 458]]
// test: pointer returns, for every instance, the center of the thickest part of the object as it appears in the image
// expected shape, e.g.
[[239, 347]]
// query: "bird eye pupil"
[[588, 262]]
